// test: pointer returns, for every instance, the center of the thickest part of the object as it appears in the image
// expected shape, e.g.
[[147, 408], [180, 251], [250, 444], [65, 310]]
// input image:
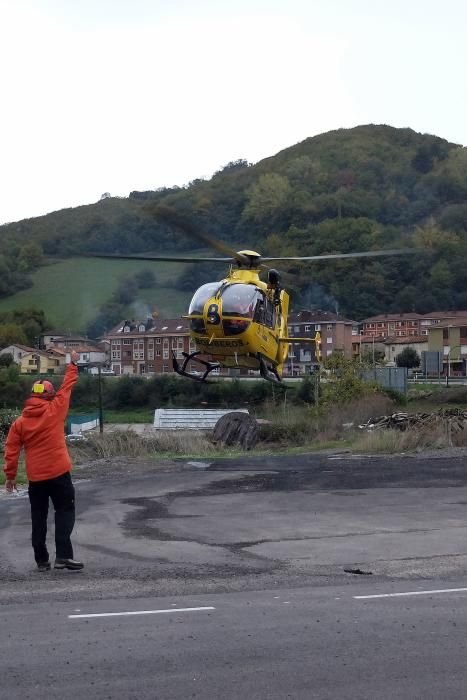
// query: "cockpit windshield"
[[201, 296], [240, 300]]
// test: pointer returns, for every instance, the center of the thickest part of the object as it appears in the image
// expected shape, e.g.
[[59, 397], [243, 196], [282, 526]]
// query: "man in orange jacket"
[[40, 430]]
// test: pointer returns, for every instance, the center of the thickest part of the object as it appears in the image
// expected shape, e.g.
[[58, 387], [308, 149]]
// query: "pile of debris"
[[454, 418]]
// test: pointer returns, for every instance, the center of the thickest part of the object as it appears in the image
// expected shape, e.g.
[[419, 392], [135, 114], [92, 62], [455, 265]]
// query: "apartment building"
[[451, 340], [146, 347], [401, 325], [338, 334]]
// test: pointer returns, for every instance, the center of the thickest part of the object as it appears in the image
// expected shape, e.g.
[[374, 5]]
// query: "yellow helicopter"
[[239, 321]]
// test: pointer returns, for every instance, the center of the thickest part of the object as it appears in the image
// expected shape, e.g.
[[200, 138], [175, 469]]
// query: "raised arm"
[[59, 405]]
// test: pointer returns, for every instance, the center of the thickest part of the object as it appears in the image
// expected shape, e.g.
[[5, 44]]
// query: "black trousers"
[[62, 494]]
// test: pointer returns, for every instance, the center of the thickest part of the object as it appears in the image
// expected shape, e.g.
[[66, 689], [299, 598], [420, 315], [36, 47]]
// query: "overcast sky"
[[119, 95]]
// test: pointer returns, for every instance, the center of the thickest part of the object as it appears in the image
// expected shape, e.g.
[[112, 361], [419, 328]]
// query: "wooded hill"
[[370, 187]]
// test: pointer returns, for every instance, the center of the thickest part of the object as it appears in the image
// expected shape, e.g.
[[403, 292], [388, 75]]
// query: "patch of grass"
[[126, 443], [296, 426], [139, 415], [413, 440], [20, 477], [136, 415], [88, 283]]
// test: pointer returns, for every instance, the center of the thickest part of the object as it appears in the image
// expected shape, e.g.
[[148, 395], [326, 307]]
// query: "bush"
[[7, 418], [397, 396]]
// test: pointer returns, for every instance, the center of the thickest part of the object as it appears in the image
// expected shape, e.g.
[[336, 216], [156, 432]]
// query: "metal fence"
[[78, 424], [388, 377]]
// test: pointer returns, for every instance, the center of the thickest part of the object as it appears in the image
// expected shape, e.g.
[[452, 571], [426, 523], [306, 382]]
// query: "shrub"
[[127, 443], [7, 418]]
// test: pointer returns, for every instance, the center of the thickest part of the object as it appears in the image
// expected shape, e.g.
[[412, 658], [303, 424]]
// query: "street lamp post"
[[101, 412], [98, 365]]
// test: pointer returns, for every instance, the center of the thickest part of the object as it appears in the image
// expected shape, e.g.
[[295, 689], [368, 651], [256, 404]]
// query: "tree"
[[30, 257], [6, 359], [126, 291], [268, 195], [145, 279], [11, 333], [409, 357]]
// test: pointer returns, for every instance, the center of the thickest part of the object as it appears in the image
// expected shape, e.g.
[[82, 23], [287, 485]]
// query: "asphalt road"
[[259, 553]]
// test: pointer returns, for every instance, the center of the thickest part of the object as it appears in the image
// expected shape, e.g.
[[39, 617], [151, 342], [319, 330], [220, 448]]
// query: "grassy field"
[[136, 415], [21, 475], [71, 291]]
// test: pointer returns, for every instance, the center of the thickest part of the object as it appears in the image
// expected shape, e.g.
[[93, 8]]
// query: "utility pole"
[[101, 413]]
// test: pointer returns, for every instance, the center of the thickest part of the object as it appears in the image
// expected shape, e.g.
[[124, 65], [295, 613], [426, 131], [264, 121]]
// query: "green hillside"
[[348, 190], [71, 291]]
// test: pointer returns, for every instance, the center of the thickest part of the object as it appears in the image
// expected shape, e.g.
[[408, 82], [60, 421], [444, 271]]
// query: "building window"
[[150, 354], [329, 327], [158, 341], [141, 328], [126, 329], [166, 354], [307, 328], [317, 326], [158, 353], [115, 342], [329, 340], [127, 341], [115, 354], [165, 368]]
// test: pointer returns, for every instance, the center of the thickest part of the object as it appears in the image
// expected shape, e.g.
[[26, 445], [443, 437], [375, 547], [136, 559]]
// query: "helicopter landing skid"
[[192, 357], [270, 375]]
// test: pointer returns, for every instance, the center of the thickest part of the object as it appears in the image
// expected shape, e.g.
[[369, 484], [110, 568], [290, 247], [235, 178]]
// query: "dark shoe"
[[43, 565], [71, 564]]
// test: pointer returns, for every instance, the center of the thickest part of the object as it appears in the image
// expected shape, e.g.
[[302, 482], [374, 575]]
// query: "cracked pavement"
[[148, 528]]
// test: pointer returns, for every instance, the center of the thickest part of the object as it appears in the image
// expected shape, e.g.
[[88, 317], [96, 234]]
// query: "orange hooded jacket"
[[40, 431]]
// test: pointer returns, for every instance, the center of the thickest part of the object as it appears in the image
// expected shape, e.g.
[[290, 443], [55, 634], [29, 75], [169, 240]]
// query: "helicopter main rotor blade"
[[175, 218], [161, 258], [338, 256]]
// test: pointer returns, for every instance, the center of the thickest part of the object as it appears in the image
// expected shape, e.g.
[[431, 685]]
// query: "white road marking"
[[140, 612], [398, 595]]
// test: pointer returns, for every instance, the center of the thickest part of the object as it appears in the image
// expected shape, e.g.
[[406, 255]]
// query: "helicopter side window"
[[260, 309], [201, 297], [269, 314]]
